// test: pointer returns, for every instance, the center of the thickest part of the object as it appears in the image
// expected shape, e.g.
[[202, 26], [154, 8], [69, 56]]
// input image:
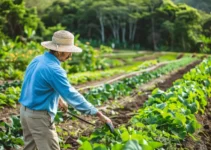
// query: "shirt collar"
[[52, 57]]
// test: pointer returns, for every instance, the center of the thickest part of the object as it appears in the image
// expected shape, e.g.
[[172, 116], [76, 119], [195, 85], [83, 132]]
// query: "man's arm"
[[60, 83], [64, 106]]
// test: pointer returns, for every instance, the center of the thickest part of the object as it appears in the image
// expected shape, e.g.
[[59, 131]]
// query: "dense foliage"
[[138, 24], [204, 5], [15, 18]]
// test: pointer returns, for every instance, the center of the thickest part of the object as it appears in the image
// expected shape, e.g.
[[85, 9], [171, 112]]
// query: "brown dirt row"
[[122, 110]]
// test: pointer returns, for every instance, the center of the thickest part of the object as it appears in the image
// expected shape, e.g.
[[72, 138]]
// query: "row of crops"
[[166, 118], [11, 135]]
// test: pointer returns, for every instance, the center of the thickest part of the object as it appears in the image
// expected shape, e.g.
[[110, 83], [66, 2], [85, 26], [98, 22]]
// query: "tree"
[[99, 7], [134, 14], [168, 11], [14, 16], [204, 5], [187, 26], [150, 6]]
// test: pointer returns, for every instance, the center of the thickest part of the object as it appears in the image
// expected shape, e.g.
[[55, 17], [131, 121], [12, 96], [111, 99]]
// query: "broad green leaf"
[[132, 145], [99, 147], [160, 106], [180, 117], [146, 147], [117, 147], [155, 145], [193, 107], [180, 133], [85, 146], [18, 141], [125, 136], [192, 126]]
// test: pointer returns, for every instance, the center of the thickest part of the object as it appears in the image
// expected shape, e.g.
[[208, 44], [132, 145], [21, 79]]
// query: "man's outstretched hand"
[[63, 105], [104, 118]]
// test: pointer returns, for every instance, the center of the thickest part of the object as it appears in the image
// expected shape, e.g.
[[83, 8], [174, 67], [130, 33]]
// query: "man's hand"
[[63, 105], [104, 118]]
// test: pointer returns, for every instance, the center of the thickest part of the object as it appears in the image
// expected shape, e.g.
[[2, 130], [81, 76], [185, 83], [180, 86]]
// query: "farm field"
[[122, 93], [142, 68]]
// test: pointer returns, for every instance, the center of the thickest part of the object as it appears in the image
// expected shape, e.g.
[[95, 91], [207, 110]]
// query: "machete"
[[109, 125]]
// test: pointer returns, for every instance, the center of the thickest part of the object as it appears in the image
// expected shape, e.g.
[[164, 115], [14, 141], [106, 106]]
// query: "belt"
[[34, 111]]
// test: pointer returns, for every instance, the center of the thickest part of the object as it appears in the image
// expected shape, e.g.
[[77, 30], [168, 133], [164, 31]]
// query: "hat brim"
[[61, 48]]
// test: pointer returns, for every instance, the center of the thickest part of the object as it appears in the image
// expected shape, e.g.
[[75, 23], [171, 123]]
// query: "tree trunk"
[[153, 34], [153, 30], [130, 31], [172, 42], [183, 43], [117, 34], [11, 29], [115, 28], [123, 34], [102, 29], [133, 32], [102, 32], [112, 25]]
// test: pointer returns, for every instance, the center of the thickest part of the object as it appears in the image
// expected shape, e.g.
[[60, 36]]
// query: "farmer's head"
[[62, 45]]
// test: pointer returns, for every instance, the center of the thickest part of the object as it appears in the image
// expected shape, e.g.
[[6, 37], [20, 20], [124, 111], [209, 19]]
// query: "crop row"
[[79, 78], [124, 87], [166, 118]]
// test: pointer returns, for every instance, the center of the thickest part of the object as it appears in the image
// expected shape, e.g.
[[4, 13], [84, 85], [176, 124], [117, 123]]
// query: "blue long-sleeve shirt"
[[44, 81]]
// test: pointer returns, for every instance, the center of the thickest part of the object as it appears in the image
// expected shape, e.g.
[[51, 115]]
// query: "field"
[[156, 100], [145, 64]]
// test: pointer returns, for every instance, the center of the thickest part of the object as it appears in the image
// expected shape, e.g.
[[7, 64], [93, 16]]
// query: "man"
[[43, 83]]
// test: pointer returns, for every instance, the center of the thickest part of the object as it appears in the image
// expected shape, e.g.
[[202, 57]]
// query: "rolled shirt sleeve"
[[61, 85]]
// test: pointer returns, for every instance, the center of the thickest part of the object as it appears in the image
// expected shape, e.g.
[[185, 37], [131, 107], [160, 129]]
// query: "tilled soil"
[[179, 74], [129, 105]]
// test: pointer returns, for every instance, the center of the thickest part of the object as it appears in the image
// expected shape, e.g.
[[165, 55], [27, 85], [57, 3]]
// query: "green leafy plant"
[[11, 134]]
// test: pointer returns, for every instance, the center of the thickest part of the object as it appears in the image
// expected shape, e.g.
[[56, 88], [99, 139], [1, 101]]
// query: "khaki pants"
[[38, 131]]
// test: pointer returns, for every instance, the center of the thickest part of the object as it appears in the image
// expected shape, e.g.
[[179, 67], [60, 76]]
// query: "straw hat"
[[62, 41]]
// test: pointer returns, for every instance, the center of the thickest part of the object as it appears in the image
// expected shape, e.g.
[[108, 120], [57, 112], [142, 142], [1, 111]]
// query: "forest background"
[[160, 25]]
